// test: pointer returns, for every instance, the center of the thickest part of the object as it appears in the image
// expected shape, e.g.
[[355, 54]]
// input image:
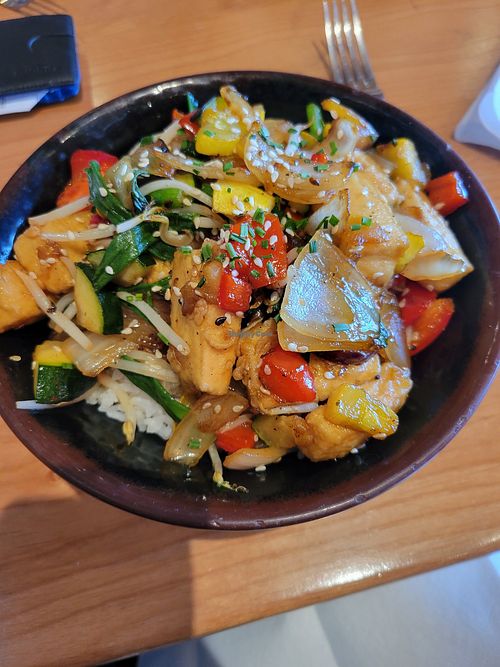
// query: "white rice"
[[151, 417]]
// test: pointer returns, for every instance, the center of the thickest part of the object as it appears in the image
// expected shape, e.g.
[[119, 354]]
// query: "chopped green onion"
[[259, 216], [232, 252], [333, 148], [265, 243], [227, 167], [186, 249], [366, 221], [320, 167], [254, 273], [355, 227], [148, 139], [270, 270], [192, 102], [356, 166], [194, 443], [331, 220], [260, 231], [244, 230], [209, 133], [201, 282], [315, 118], [206, 252], [236, 237], [339, 327], [313, 245]]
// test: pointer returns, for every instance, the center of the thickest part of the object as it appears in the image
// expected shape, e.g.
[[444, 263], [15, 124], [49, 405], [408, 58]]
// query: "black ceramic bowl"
[[450, 377]]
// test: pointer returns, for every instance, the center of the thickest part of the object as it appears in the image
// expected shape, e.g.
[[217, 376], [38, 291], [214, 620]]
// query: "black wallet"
[[39, 53]]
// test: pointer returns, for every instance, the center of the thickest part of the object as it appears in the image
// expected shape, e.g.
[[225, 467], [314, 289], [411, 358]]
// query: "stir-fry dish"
[[239, 285]]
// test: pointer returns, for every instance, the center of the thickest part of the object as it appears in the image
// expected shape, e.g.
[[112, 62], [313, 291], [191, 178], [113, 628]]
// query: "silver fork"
[[32, 7], [346, 47]]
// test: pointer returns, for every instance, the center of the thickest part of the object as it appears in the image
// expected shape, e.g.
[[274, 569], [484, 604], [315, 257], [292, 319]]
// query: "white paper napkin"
[[20, 103], [481, 123]]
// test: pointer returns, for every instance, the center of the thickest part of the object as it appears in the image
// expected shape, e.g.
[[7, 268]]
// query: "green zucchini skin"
[[99, 312], [55, 384]]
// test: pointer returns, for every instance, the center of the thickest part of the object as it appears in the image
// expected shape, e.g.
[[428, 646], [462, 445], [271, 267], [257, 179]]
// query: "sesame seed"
[[273, 239], [238, 408], [176, 291], [303, 348], [251, 201], [267, 225], [15, 357], [51, 260], [216, 187], [186, 201], [156, 288], [71, 235], [265, 391], [217, 408], [143, 164], [354, 450], [109, 270], [206, 405], [168, 294], [258, 262], [328, 375], [378, 274], [158, 354], [129, 177], [134, 323], [33, 275], [439, 205], [239, 313], [103, 192], [402, 303], [292, 347], [196, 259], [267, 370], [228, 317], [127, 331], [260, 468], [235, 273]]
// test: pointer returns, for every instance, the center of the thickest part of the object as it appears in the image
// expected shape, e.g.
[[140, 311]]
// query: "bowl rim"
[[142, 500]]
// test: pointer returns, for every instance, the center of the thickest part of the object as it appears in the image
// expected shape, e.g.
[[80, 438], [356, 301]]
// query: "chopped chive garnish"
[[254, 273], [320, 167], [227, 167], [180, 131], [355, 227], [277, 318], [333, 148], [244, 230], [251, 231], [356, 166], [196, 172], [265, 243], [332, 220], [267, 256], [201, 282], [194, 443], [206, 252], [232, 252], [292, 130], [209, 133], [270, 270], [340, 327], [229, 189], [192, 102], [313, 245], [254, 243], [236, 237], [198, 163], [220, 258], [186, 249], [366, 221], [260, 231], [258, 216]]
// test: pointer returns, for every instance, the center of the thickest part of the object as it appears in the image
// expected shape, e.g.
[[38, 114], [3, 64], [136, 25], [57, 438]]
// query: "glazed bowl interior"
[[86, 448]]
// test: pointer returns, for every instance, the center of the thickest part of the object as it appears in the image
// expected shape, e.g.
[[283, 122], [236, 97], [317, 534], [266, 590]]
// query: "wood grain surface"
[[81, 582]]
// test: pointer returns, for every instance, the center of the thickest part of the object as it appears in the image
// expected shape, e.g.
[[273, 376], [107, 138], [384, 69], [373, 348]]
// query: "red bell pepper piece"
[[415, 300], [78, 185], [239, 437], [447, 193], [234, 292], [319, 158], [431, 324], [287, 376], [265, 262], [186, 122]]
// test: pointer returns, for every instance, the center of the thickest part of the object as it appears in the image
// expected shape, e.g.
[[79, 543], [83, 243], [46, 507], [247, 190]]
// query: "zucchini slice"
[[99, 312], [55, 379], [273, 432]]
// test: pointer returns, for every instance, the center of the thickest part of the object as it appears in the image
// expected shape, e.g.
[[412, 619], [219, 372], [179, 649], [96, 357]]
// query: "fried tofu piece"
[[43, 257], [321, 440], [371, 237], [17, 306], [254, 344], [328, 375], [209, 364]]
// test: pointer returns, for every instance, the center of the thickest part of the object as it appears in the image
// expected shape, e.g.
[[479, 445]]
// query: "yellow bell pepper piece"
[[403, 154], [220, 132], [353, 407], [364, 129], [210, 110], [415, 245], [230, 194], [309, 140]]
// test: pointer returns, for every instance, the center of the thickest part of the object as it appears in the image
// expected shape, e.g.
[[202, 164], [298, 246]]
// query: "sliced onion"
[[104, 351], [130, 423], [186, 433], [169, 132], [214, 412], [61, 212], [64, 301], [434, 242], [157, 321], [44, 303], [176, 239], [87, 235], [247, 458], [295, 408], [244, 419], [201, 210], [173, 183], [71, 311], [145, 369], [338, 206], [396, 349], [33, 405]]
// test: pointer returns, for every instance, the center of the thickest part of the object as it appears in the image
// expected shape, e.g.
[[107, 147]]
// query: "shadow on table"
[[82, 582]]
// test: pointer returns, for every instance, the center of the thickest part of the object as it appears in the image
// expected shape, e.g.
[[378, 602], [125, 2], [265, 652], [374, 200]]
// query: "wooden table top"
[[82, 582]]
